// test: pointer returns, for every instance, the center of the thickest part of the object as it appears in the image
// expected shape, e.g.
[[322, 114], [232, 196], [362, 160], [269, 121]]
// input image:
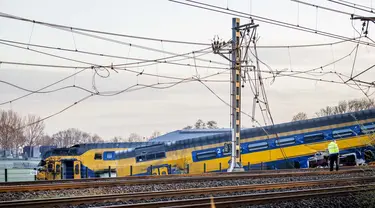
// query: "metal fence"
[[15, 174]]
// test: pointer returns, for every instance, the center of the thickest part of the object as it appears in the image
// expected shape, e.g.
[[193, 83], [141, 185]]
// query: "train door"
[[50, 171], [77, 169], [57, 170], [68, 169]]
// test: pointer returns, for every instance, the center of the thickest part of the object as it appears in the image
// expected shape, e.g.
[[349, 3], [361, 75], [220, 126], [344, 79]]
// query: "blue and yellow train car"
[[287, 145], [82, 161]]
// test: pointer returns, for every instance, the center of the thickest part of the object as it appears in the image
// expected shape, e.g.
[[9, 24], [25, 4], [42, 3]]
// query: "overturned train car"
[[287, 145], [300, 144]]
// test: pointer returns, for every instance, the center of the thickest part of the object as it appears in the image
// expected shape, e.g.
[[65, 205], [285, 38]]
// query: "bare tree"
[[341, 108], [96, 139], [74, 136], [300, 116], [10, 130], [45, 140], [19, 137], [34, 130], [327, 111], [211, 125], [117, 139], [200, 124], [133, 137], [347, 106], [67, 137], [155, 134], [187, 127], [85, 137]]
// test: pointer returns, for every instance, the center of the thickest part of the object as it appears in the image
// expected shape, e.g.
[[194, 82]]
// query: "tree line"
[[200, 124], [344, 106], [18, 131]]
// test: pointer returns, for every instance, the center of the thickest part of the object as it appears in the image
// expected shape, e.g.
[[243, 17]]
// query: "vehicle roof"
[[188, 134], [198, 138]]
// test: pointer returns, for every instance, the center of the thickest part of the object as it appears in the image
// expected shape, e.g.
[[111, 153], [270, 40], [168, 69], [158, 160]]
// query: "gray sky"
[[169, 109]]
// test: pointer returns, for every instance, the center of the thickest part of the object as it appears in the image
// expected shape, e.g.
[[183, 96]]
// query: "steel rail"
[[360, 169], [267, 198], [161, 180], [179, 193]]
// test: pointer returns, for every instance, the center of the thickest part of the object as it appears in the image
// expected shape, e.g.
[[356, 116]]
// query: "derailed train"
[[81, 160], [287, 145]]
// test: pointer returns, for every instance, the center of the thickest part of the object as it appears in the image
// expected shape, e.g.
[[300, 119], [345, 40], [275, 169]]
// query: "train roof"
[[79, 149], [277, 128], [188, 134], [189, 138], [88, 146]]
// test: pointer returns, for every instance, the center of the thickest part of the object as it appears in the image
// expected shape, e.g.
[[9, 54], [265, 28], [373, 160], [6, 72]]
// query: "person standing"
[[333, 150]]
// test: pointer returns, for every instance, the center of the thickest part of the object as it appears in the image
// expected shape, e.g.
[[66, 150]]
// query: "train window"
[[153, 156], [108, 155], [206, 155], [313, 138], [368, 128], [57, 168], [285, 141], [342, 133], [98, 156], [150, 157], [76, 169], [141, 158], [160, 155], [50, 167], [257, 146]]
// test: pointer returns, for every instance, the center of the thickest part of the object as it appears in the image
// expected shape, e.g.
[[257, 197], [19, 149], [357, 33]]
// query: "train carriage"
[[287, 145], [300, 144], [82, 161]]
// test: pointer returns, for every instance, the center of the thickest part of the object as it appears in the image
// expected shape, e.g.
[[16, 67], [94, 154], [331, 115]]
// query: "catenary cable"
[[267, 20]]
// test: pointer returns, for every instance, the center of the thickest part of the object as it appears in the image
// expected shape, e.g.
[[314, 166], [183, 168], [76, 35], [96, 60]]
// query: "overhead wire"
[[357, 47], [319, 80], [40, 89], [226, 103], [146, 48], [328, 64], [78, 87], [303, 45], [355, 4], [264, 96], [140, 60], [127, 64], [266, 20], [91, 64], [107, 39], [67, 29], [353, 7], [128, 89], [324, 8], [2, 14]]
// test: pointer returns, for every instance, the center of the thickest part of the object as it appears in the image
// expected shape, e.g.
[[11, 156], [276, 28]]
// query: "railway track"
[[160, 180], [196, 192], [255, 199], [291, 171]]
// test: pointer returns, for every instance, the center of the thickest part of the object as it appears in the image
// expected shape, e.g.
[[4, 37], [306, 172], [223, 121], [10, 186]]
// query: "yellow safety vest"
[[333, 148]]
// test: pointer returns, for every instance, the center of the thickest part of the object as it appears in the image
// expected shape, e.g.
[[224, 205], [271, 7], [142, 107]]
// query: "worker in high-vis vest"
[[333, 150]]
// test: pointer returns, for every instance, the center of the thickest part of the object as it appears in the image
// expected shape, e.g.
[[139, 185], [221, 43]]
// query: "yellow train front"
[[287, 145], [82, 161]]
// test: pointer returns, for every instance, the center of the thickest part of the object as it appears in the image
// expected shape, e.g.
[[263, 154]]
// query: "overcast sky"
[[166, 110]]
